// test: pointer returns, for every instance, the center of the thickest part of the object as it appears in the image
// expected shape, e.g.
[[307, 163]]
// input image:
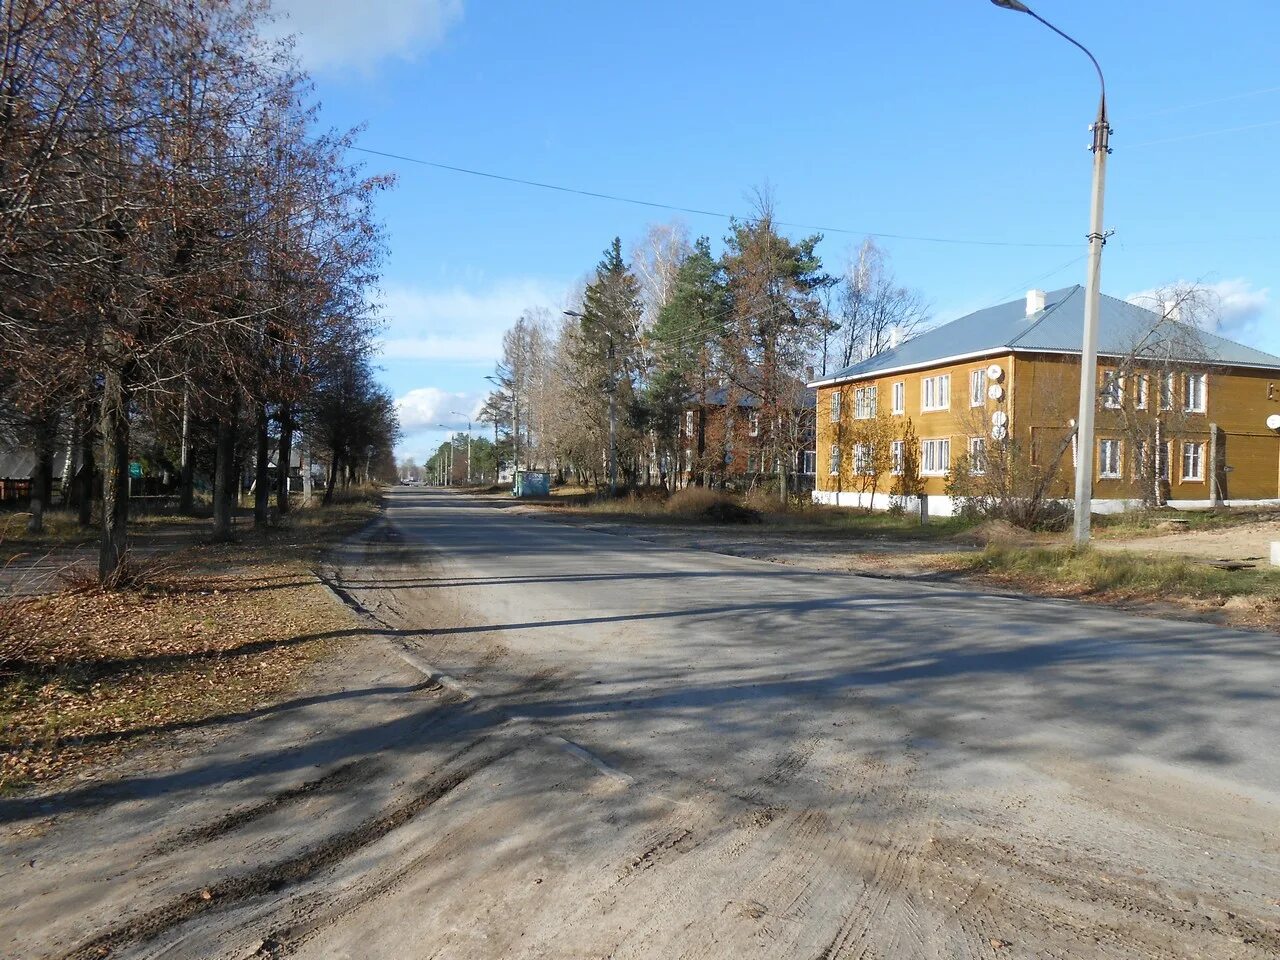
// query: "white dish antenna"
[[994, 372], [1273, 421], [998, 432], [999, 418], [995, 392]]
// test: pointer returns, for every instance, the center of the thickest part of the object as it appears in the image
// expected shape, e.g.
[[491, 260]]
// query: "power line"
[[675, 208], [1044, 276]]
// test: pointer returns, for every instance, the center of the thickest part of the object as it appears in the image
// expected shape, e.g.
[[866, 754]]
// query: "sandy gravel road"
[[644, 752]]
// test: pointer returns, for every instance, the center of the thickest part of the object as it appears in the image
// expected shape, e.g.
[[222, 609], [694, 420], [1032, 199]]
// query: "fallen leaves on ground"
[[84, 674]]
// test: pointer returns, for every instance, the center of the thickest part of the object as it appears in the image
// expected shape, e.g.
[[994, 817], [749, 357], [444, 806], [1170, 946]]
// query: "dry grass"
[[1114, 576], [1145, 523], [798, 515], [86, 673], [181, 638]]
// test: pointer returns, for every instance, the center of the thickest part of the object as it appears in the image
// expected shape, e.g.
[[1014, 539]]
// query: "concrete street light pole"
[[1092, 292], [468, 419], [613, 416]]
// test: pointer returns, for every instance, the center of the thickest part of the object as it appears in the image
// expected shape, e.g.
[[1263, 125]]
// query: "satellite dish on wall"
[[1273, 421], [999, 418], [998, 432], [995, 392], [994, 372]]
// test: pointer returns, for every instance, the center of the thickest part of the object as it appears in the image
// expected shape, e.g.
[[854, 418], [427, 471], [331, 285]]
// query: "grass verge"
[[1146, 523], [207, 633], [799, 515], [1249, 596]]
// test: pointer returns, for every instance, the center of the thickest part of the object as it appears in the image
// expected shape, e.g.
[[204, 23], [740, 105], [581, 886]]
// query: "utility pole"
[[1100, 147]]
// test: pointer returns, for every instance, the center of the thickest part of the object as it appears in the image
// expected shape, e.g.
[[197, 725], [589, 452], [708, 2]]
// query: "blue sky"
[[940, 118]]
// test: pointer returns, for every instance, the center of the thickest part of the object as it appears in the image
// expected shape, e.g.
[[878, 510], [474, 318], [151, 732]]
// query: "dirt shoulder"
[[207, 633]]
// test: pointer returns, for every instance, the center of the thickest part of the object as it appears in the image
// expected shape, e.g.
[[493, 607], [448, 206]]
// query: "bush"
[[695, 501]]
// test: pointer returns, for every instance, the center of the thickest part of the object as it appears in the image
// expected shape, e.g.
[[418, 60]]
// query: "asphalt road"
[[643, 751]]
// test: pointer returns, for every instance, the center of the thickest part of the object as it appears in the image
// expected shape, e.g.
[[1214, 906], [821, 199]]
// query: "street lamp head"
[[575, 314], [1012, 5]]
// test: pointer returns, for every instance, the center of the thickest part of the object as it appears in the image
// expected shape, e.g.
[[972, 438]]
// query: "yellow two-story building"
[[1207, 409]]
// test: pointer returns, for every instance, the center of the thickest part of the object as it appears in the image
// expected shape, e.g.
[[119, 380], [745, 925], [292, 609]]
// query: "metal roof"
[[1058, 328]]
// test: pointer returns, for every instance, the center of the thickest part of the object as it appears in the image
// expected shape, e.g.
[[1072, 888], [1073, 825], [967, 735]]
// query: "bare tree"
[[875, 311]]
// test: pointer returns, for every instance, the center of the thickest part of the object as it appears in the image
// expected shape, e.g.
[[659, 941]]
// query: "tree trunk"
[[262, 478], [67, 493], [305, 462], [186, 473], [333, 480], [284, 459], [41, 484], [224, 478], [85, 478], [115, 474]]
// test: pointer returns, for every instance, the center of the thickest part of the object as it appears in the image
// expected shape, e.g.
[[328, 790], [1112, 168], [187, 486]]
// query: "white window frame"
[[1164, 454], [895, 457], [1167, 397], [753, 423], [1109, 449], [900, 397], [930, 448], [1112, 389], [978, 456], [864, 402], [862, 456], [1198, 403], [935, 393], [835, 406], [1141, 390], [978, 387], [809, 463], [833, 465], [1198, 447]]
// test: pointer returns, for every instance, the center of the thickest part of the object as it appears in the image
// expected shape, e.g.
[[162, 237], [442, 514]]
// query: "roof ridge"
[[1045, 315]]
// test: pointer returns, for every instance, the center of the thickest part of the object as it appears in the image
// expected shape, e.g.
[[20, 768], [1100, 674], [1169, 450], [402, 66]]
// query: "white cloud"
[[425, 409], [458, 325], [358, 33], [1237, 309]]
